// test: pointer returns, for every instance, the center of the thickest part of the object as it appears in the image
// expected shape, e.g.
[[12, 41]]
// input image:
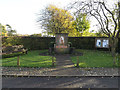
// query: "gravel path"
[[60, 71]]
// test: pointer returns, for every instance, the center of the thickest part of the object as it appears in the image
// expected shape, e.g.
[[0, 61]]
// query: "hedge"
[[82, 42], [36, 43], [39, 43]]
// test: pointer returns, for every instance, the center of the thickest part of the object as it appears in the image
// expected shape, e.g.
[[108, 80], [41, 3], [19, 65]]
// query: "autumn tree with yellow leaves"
[[3, 31], [56, 20], [6, 30]]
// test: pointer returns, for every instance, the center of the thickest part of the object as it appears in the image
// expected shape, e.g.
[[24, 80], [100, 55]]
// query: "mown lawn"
[[94, 58], [32, 59]]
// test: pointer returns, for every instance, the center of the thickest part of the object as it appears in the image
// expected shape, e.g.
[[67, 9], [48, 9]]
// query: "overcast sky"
[[22, 14]]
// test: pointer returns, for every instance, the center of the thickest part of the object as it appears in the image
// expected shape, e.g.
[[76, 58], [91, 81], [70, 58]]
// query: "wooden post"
[[18, 61], [53, 61], [77, 61], [118, 59]]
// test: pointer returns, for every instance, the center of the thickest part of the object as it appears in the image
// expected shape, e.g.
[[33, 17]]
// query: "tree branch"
[[107, 23], [115, 28], [103, 30]]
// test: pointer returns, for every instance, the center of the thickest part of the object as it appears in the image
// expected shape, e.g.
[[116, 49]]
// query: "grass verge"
[[32, 59], [94, 58]]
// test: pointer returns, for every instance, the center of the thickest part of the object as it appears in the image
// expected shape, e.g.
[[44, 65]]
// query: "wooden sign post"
[[53, 61], [77, 61]]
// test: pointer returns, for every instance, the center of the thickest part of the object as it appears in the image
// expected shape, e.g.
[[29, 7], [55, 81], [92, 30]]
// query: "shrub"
[[51, 44], [12, 55], [7, 49], [82, 65], [11, 51], [70, 44], [10, 41]]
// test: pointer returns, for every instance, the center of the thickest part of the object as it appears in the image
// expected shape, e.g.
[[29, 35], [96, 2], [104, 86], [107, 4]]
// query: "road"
[[60, 82]]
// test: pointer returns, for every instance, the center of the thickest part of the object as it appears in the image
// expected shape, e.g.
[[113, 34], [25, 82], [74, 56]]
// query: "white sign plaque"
[[98, 44], [105, 43], [102, 43]]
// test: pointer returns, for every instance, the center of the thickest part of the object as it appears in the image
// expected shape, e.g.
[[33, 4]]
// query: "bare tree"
[[106, 16]]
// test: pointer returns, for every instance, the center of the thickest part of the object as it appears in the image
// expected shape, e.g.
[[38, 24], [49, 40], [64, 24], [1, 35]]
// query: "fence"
[[20, 61]]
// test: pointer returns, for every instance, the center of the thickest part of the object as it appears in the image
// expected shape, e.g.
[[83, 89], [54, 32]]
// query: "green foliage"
[[6, 30], [94, 58], [51, 44], [70, 43], [87, 33], [36, 35], [36, 43], [3, 31], [81, 65], [12, 55], [10, 32], [56, 20], [30, 43], [81, 24], [32, 59], [82, 42], [10, 41]]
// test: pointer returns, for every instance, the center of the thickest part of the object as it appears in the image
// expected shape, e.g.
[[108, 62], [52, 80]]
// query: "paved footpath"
[[63, 61], [64, 67]]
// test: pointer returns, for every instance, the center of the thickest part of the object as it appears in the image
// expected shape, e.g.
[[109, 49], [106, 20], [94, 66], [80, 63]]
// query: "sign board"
[[102, 43]]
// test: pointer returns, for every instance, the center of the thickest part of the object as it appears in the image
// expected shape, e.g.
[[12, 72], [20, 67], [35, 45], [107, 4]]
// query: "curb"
[[52, 76]]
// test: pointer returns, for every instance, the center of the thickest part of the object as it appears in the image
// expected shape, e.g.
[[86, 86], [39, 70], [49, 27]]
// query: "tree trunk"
[[113, 53], [114, 42]]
